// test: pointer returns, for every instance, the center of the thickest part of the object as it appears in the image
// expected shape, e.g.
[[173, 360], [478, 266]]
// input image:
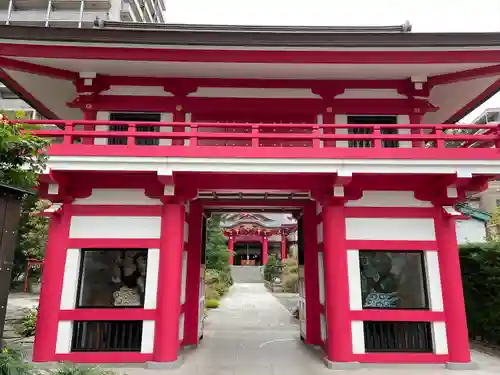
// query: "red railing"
[[263, 140]]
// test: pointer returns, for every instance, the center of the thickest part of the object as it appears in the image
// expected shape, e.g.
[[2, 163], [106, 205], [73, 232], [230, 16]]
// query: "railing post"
[[439, 133], [497, 134], [255, 135], [416, 119], [68, 136], [377, 141], [193, 139], [316, 143], [131, 137]]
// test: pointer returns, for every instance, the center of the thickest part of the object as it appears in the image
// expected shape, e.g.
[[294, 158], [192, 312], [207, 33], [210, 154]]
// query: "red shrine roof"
[[267, 220], [456, 71]]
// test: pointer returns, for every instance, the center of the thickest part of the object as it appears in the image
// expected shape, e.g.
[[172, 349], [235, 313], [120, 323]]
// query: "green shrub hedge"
[[217, 283], [28, 323], [480, 265], [12, 362]]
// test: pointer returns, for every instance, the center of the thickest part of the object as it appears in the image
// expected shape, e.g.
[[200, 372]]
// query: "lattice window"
[[107, 336], [135, 117], [370, 120], [398, 337]]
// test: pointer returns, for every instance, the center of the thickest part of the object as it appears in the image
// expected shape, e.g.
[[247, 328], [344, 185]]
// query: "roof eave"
[[213, 36]]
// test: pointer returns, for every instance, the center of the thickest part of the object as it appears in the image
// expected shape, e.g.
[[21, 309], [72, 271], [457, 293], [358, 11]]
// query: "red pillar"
[[89, 115], [230, 249], [451, 284], [168, 308], [339, 341], [52, 282], [264, 250], [191, 306], [283, 245], [311, 276]]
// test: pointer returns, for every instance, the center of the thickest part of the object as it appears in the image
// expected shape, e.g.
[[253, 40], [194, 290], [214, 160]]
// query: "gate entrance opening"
[[271, 233]]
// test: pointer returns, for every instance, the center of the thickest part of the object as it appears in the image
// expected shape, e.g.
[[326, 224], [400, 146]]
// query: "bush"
[[211, 303], [28, 323], [290, 275], [12, 362], [211, 293], [217, 283], [270, 268], [72, 369], [480, 265], [291, 283]]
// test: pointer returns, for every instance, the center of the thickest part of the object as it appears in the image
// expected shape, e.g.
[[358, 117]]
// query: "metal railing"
[[79, 13], [48, 14]]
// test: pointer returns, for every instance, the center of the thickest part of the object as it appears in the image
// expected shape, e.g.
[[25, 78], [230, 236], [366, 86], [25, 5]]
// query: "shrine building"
[[350, 130], [252, 237]]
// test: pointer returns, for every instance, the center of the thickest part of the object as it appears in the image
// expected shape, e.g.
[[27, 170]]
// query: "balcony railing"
[[118, 138]]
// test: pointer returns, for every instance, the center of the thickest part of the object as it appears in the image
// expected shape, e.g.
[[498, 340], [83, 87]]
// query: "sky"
[[424, 15]]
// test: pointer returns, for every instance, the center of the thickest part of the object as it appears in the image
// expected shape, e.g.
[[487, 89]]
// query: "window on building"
[[135, 117], [370, 120], [112, 278], [19, 114], [393, 280], [5, 93], [493, 117]]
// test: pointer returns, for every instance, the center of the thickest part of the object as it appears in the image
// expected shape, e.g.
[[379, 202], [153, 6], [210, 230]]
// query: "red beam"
[[392, 245], [138, 313], [464, 75], [250, 56], [390, 212], [396, 315], [248, 203], [203, 106], [172, 82], [113, 243], [41, 70], [104, 357]]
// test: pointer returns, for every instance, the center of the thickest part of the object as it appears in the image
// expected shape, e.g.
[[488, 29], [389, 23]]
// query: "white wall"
[[115, 227], [394, 229], [402, 229], [128, 197]]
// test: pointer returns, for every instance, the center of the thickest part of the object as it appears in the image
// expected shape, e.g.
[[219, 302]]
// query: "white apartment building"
[[80, 13], [489, 199], [13, 107]]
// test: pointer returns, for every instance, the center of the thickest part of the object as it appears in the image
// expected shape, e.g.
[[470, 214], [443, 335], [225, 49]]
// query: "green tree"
[[21, 155], [217, 256], [22, 159], [218, 273], [32, 236]]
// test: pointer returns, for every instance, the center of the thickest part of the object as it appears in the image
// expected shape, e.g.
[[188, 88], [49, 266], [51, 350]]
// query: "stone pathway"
[[253, 333], [18, 305]]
